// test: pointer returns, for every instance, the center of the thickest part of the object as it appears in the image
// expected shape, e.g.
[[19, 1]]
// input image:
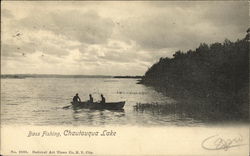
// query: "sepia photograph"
[[136, 71]]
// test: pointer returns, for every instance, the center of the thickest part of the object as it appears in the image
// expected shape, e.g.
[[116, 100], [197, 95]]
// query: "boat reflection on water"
[[99, 105], [97, 116]]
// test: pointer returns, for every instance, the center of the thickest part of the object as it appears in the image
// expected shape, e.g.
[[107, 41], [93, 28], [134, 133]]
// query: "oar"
[[65, 107]]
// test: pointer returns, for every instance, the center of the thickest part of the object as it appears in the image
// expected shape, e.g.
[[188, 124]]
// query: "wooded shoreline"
[[212, 79]]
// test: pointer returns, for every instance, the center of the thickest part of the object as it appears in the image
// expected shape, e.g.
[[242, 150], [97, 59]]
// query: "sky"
[[110, 37]]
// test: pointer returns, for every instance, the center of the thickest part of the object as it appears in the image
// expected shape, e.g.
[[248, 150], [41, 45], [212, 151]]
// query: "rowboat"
[[98, 105]]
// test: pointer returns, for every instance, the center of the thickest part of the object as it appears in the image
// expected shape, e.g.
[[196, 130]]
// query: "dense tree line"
[[216, 73]]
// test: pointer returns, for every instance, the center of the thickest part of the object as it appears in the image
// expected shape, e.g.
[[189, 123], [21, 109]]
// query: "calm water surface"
[[40, 101]]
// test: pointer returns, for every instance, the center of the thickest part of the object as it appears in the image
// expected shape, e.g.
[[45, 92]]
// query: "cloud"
[[10, 50], [110, 38], [86, 27], [186, 27], [5, 13], [230, 14], [36, 41]]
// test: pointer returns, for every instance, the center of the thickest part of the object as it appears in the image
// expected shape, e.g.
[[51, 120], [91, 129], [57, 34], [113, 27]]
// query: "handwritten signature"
[[216, 142]]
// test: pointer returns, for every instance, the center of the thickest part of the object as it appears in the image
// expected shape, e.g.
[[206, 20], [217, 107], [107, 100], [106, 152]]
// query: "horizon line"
[[73, 75]]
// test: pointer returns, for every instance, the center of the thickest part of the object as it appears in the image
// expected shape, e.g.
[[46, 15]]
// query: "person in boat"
[[103, 99], [91, 100], [76, 98]]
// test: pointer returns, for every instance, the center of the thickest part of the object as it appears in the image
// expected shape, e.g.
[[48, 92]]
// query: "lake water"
[[40, 101]]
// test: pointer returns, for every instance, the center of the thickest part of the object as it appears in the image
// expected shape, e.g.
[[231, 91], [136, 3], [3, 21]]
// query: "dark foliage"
[[215, 75]]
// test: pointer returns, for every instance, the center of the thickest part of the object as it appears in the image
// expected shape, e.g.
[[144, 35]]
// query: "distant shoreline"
[[22, 76], [130, 77]]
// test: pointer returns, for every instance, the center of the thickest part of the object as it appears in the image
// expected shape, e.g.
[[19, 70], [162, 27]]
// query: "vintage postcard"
[[124, 78]]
